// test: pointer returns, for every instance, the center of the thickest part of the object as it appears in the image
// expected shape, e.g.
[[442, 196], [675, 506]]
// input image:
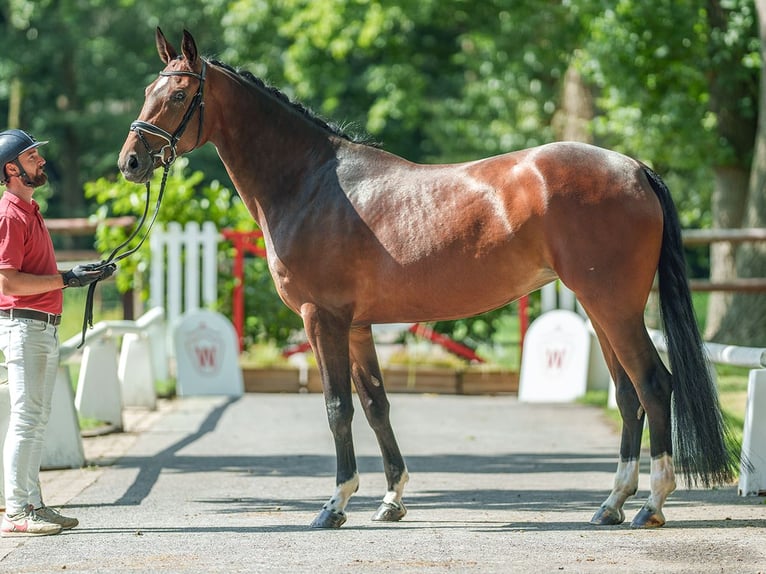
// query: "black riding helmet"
[[13, 143]]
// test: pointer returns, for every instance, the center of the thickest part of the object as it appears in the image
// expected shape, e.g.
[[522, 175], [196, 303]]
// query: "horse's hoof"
[[608, 516], [390, 512], [648, 518], [329, 519]]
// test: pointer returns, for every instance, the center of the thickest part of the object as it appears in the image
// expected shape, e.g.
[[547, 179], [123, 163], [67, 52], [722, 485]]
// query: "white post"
[[99, 395], [567, 298], [63, 443], [157, 269], [174, 263], [136, 372], [752, 477], [548, 297], [156, 332]]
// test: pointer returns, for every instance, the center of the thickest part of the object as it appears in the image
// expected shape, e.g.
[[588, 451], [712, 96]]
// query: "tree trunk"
[[728, 207], [745, 320], [571, 122]]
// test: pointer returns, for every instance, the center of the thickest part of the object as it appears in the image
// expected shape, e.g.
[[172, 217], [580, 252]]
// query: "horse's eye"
[[179, 96]]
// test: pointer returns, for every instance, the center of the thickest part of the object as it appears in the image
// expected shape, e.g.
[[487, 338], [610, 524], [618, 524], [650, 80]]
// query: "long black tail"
[[704, 450]]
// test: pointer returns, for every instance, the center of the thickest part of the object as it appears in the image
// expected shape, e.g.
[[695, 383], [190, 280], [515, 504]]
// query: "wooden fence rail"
[[696, 237]]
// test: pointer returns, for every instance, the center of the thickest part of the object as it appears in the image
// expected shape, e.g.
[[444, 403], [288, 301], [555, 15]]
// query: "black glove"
[[108, 270], [83, 275]]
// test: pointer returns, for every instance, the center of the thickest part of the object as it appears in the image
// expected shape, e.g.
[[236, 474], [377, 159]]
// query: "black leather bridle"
[[140, 128]]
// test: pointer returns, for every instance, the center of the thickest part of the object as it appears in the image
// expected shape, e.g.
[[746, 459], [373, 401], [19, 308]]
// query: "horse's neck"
[[267, 147]]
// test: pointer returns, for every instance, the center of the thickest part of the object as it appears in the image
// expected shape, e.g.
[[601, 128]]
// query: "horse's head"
[[160, 133]]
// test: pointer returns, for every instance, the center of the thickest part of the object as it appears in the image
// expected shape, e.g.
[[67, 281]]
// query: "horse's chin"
[[136, 172], [138, 178]]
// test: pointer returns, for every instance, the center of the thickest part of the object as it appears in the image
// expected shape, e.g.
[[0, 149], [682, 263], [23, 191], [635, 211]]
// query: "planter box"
[[473, 381], [404, 380], [314, 384], [478, 382], [420, 380], [271, 380]]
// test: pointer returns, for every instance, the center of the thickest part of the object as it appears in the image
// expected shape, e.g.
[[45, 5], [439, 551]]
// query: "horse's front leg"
[[366, 375], [328, 335]]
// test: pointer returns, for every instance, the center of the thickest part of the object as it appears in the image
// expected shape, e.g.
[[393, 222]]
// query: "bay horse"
[[357, 236]]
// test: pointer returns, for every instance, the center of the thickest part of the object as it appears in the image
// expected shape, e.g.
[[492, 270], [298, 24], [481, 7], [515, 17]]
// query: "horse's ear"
[[189, 48], [165, 50]]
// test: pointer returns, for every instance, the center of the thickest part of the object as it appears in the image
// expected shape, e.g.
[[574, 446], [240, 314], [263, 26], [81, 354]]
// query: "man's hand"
[[83, 275]]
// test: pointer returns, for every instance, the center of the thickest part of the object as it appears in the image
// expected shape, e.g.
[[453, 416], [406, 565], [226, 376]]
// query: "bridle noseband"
[[141, 127]]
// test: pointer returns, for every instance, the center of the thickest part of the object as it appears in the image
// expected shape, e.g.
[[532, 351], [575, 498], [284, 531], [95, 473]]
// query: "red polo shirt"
[[25, 245]]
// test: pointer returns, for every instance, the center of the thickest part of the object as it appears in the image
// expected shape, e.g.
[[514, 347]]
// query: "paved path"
[[209, 485]]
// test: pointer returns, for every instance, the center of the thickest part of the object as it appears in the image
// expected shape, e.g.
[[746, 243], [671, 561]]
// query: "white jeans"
[[31, 350]]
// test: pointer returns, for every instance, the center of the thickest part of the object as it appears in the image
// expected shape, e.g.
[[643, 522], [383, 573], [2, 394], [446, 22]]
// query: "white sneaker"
[[52, 515], [27, 523]]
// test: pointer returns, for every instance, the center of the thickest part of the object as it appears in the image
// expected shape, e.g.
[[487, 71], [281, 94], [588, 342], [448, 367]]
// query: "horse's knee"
[[340, 414]]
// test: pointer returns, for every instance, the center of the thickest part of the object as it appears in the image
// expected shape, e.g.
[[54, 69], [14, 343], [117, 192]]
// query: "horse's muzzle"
[[135, 167]]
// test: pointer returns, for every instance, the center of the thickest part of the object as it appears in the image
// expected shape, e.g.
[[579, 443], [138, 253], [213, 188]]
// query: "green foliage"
[[676, 85], [78, 70]]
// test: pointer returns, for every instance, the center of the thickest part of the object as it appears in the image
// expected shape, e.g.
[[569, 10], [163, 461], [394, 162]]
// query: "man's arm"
[[15, 283]]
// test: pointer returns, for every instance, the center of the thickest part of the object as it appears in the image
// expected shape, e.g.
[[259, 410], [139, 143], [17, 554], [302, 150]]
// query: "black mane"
[[300, 108]]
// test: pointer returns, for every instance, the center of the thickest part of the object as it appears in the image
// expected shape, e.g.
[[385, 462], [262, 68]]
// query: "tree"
[[745, 319]]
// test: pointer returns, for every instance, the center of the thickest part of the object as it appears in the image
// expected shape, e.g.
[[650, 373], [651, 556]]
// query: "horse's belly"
[[415, 297]]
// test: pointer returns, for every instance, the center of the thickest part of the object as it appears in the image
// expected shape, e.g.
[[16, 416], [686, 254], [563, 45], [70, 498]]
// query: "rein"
[[141, 127]]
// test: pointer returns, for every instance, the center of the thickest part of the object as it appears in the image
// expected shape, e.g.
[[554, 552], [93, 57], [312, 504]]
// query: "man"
[[31, 302]]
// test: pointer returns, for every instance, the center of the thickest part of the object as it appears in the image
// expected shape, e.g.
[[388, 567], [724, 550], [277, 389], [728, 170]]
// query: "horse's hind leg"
[[635, 352], [328, 335], [626, 477], [365, 372]]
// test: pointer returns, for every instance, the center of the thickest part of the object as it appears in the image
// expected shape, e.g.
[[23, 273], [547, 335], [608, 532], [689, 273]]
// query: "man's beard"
[[39, 180]]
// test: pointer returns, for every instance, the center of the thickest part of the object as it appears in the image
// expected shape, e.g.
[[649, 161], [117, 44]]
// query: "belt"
[[31, 314]]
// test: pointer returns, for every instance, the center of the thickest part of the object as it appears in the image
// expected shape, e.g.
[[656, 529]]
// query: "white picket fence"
[[183, 275]]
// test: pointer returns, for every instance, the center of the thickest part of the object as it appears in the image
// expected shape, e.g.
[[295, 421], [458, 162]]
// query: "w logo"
[[554, 358], [205, 350], [206, 357]]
